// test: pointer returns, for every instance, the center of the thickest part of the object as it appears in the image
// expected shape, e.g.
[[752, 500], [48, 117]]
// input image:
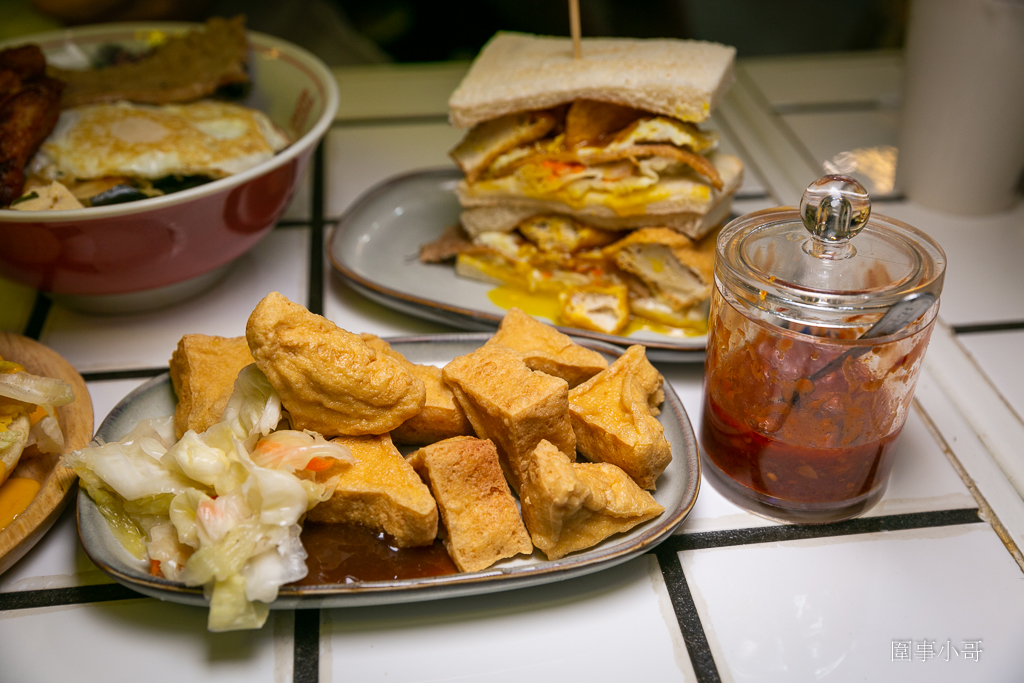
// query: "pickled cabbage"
[[41, 391], [221, 509]]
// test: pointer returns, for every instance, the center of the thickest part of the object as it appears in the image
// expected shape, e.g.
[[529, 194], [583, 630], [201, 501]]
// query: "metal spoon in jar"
[[901, 314]]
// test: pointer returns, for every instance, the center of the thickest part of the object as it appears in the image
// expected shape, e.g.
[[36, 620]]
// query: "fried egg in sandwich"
[[207, 138]]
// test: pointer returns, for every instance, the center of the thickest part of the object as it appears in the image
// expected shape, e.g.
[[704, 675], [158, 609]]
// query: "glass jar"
[[815, 342]]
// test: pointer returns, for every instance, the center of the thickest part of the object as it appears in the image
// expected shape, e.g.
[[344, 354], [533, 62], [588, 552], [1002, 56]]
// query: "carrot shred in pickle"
[[154, 567], [38, 414], [318, 464]]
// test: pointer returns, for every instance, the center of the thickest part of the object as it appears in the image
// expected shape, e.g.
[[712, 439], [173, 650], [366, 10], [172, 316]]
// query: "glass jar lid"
[[831, 263]]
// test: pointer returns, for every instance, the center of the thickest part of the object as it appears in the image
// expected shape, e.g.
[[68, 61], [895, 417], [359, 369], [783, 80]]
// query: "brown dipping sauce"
[[347, 553]]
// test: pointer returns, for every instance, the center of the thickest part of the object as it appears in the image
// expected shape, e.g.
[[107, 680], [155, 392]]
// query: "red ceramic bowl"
[[164, 243]]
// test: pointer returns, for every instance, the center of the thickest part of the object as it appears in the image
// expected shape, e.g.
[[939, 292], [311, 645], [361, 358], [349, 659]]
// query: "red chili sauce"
[[771, 430]]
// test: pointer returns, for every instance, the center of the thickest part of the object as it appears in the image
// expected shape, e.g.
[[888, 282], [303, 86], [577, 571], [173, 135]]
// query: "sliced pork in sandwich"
[[611, 140]]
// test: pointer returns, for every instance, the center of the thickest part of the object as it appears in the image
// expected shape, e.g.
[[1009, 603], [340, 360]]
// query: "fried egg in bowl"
[[206, 138], [168, 242]]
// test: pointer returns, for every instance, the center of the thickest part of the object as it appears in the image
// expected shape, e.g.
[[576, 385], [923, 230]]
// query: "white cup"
[[961, 138]]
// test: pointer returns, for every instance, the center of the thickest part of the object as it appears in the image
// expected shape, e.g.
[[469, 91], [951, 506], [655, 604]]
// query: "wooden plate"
[[55, 481]]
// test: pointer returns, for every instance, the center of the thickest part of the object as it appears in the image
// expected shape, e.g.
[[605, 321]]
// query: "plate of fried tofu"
[[533, 457], [402, 245]]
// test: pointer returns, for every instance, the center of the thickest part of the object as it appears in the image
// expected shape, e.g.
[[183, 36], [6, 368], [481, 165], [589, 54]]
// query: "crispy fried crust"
[[511, 405], [570, 506], [382, 492], [546, 349], [329, 380], [491, 139], [27, 62], [182, 69], [613, 418], [479, 513], [29, 108], [203, 372], [441, 418], [675, 268], [699, 163]]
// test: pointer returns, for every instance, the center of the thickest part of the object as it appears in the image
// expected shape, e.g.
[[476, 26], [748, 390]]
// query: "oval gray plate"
[[677, 491], [375, 248]]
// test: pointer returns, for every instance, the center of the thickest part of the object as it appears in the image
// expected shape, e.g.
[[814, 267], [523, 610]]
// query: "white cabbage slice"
[[46, 436], [254, 408], [267, 572], [292, 450], [195, 459], [127, 469], [41, 391]]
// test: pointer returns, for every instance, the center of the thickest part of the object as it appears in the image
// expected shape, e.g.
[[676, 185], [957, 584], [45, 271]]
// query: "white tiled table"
[[731, 596]]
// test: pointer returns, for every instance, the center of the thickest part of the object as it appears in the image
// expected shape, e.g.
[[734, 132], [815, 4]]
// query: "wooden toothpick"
[[574, 27]]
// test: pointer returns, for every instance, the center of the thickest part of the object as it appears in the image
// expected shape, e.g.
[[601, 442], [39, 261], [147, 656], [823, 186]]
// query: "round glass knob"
[[833, 209]]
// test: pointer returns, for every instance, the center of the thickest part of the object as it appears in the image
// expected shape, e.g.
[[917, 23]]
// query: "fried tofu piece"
[[546, 349], [480, 516], [569, 506], [381, 491], [203, 372], [677, 270], [602, 308], [329, 380], [441, 418], [556, 234], [511, 405], [613, 416]]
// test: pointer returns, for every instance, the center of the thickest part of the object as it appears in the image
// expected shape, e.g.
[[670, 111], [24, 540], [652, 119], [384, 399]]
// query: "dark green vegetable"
[[177, 183], [25, 198], [118, 194]]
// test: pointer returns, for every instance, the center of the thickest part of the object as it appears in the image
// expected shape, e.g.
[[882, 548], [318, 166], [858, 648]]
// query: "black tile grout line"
[[679, 591], [315, 303], [977, 328], [686, 615], [37, 317], [796, 532], [58, 597], [134, 373], [829, 107], [306, 661], [390, 121], [293, 223]]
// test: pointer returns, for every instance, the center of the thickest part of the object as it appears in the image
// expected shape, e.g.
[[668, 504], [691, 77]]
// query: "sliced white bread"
[[515, 72]]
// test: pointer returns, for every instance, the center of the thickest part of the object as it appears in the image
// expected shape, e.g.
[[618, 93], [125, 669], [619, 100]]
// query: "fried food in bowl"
[[165, 243]]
